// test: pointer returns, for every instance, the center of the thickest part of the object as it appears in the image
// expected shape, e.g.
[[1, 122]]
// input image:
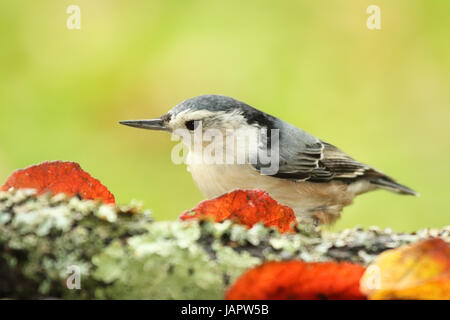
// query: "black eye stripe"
[[191, 124]]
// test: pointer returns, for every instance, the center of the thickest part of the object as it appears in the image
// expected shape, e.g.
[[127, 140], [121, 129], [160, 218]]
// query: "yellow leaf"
[[418, 271]]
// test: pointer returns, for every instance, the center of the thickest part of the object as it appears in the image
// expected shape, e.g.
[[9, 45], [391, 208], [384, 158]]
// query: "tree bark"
[[49, 245]]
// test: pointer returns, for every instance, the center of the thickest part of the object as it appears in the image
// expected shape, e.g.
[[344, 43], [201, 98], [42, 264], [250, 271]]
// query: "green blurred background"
[[381, 95]]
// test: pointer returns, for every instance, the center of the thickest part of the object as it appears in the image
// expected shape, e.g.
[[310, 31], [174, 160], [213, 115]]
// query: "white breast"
[[305, 198]]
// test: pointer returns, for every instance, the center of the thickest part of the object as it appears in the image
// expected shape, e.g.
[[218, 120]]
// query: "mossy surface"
[[123, 254]]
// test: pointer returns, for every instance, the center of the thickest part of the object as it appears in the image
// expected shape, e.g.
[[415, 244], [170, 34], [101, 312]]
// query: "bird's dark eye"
[[191, 124]]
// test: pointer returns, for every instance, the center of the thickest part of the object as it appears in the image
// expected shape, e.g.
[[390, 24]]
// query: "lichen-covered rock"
[[122, 253]]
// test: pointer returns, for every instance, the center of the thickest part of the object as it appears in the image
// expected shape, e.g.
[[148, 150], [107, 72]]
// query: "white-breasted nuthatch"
[[313, 177]]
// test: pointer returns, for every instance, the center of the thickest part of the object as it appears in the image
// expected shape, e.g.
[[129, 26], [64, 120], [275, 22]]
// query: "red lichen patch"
[[418, 271], [298, 280], [59, 177], [246, 207]]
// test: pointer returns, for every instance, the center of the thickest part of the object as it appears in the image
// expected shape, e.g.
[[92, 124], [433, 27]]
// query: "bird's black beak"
[[150, 124]]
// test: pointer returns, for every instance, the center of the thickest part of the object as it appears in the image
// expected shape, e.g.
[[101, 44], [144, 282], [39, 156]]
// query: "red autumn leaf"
[[298, 280], [59, 177], [246, 207]]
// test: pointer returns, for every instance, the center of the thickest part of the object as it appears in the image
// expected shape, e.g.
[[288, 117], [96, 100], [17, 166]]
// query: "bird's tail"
[[390, 184]]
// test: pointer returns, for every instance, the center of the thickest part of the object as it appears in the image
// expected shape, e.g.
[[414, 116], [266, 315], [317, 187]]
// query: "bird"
[[314, 178]]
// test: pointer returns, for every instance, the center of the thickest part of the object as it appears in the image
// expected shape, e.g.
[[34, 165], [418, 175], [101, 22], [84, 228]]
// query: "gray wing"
[[320, 162], [338, 165], [305, 157]]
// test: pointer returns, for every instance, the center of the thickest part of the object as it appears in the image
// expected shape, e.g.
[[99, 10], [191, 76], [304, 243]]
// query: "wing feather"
[[310, 159], [320, 162]]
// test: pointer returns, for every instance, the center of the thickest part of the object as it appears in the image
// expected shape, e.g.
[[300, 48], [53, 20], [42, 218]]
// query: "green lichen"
[[123, 254]]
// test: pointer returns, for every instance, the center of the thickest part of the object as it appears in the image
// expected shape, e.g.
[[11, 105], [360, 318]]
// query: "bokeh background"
[[381, 95]]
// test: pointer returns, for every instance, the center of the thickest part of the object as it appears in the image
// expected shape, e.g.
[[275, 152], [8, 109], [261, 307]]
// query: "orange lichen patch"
[[417, 271], [298, 280], [246, 207], [59, 177]]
